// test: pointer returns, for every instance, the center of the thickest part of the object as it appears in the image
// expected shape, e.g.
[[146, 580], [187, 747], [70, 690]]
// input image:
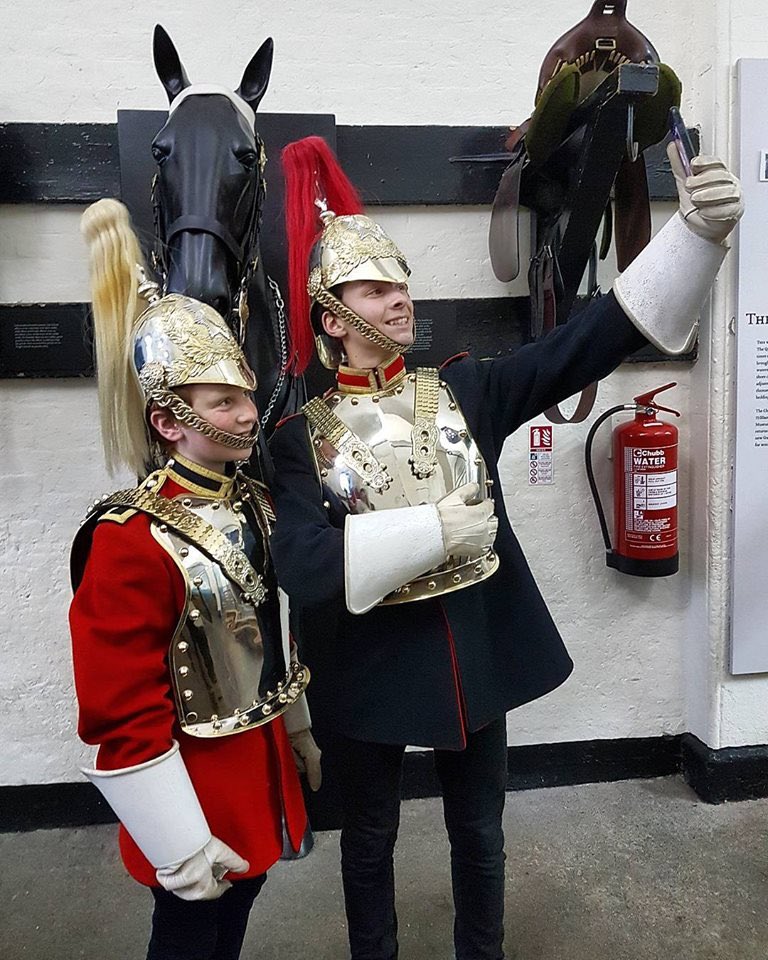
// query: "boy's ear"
[[332, 325], [165, 424]]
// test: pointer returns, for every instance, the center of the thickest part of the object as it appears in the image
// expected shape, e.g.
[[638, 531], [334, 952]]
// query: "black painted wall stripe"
[[53, 339], [58, 162], [717, 776], [79, 163]]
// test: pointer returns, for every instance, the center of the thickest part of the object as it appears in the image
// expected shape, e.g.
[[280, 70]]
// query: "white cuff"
[[664, 288], [387, 548], [157, 804]]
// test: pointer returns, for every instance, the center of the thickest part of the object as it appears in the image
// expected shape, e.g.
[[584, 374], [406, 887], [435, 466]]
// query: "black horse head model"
[[207, 198], [209, 159]]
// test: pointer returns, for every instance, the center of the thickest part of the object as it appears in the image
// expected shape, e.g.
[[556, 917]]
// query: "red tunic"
[[122, 619]]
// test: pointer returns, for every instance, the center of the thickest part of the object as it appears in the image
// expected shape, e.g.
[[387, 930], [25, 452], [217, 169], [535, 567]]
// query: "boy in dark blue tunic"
[[414, 606]]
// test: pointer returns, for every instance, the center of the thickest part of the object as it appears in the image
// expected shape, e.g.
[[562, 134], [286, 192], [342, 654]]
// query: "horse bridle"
[[244, 253]]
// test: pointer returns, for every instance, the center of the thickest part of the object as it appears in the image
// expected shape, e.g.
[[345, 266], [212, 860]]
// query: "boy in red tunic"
[[182, 675]]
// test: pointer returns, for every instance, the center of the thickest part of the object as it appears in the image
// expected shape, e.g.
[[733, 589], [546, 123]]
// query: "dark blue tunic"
[[425, 672]]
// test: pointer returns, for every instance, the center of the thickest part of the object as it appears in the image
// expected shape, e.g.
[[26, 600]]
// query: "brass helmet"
[[351, 246], [178, 341]]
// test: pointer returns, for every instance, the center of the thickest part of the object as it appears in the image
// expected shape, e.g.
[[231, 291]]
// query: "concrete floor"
[[638, 870]]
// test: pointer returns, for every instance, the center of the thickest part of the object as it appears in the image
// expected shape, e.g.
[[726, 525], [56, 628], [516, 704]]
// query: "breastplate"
[[383, 423], [231, 667]]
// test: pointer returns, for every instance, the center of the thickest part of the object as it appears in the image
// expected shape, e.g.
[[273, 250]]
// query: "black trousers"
[[202, 929], [473, 784]]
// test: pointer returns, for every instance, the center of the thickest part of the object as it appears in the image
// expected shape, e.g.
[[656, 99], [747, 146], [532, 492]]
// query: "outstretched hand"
[[711, 202]]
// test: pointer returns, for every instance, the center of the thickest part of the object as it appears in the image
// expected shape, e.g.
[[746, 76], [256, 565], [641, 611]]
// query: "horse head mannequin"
[[208, 195]]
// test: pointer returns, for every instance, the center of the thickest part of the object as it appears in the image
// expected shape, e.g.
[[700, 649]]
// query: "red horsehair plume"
[[312, 173]]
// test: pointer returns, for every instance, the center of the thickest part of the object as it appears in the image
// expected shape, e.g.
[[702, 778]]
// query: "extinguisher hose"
[[591, 474]]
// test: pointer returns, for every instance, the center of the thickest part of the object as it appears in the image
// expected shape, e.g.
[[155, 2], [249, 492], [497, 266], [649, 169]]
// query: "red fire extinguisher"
[[644, 490]]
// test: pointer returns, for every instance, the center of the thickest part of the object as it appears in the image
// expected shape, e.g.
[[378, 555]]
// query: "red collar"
[[383, 377]]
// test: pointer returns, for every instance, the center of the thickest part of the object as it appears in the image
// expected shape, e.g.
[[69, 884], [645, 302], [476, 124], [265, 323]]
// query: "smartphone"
[[681, 139]]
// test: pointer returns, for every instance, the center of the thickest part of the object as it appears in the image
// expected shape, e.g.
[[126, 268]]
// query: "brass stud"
[[318, 442], [326, 504], [405, 590], [215, 505], [266, 709], [183, 646], [163, 528], [282, 698], [457, 578], [237, 506], [479, 569], [489, 483], [323, 473], [375, 399], [451, 406], [184, 552], [187, 694], [186, 502], [244, 720], [194, 614], [463, 434], [431, 585], [192, 717], [354, 401], [183, 671], [198, 581], [217, 724]]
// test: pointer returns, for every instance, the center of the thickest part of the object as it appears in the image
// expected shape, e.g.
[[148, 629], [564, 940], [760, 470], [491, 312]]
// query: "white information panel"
[[749, 615]]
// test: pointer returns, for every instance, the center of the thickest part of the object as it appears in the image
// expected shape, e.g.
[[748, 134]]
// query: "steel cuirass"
[[404, 447], [231, 667]]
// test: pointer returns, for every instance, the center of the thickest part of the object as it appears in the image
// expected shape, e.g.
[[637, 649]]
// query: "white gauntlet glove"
[[711, 202], [665, 287], [307, 755], [200, 876], [468, 529]]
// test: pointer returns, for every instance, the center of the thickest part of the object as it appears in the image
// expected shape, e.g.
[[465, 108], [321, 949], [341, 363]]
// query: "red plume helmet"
[[312, 176]]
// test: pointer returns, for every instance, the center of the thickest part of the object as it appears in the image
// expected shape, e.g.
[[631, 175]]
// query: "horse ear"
[[253, 86], [169, 68]]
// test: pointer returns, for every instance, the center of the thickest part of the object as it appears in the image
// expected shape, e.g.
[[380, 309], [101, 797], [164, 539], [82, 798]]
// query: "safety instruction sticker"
[[540, 454]]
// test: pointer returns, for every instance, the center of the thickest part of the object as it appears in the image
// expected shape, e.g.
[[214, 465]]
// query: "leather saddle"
[[548, 146]]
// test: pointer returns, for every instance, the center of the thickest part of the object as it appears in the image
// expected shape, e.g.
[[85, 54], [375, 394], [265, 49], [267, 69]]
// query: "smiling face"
[[226, 407], [386, 306]]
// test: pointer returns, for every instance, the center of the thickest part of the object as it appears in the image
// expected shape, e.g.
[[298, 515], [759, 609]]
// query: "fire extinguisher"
[[644, 490]]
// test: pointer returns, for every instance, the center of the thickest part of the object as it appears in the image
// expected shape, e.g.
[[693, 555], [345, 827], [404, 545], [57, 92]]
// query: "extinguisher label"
[[654, 491], [650, 497], [540, 462]]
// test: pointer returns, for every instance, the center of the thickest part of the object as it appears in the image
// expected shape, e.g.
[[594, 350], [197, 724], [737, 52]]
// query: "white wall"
[[650, 655]]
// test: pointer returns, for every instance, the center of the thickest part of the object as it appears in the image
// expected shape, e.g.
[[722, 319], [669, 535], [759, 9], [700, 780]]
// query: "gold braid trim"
[[198, 531], [424, 435], [183, 412], [357, 454]]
